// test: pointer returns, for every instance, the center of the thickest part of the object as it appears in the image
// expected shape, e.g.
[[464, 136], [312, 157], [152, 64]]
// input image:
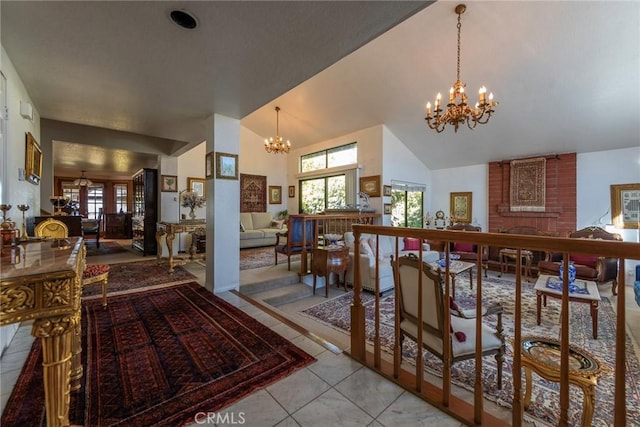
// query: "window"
[[406, 208], [120, 197], [95, 200], [337, 156], [319, 194]]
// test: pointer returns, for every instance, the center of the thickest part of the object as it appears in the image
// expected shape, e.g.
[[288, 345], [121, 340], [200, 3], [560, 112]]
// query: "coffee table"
[[583, 291], [455, 267], [542, 355]]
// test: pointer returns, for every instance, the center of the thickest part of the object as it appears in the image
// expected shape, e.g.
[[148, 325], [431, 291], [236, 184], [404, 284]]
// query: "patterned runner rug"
[[158, 358], [545, 400]]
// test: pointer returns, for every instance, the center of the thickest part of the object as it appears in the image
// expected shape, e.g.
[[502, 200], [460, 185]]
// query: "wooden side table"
[[506, 254], [542, 355], [329, 259]]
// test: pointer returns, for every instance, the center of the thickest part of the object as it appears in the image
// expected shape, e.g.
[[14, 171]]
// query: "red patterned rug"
[[159, 357], [134, 276]]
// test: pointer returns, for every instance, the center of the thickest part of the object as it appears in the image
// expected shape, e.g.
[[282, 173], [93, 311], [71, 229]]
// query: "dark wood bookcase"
[[145, 211]]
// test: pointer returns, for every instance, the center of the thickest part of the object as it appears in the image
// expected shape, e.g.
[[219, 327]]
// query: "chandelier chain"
[[459, 28]]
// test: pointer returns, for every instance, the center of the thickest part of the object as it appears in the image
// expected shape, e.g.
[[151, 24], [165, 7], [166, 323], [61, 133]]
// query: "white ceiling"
[[566, 74]]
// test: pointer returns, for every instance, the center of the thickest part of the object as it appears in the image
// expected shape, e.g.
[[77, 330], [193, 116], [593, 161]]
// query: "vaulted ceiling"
[[566, 74]]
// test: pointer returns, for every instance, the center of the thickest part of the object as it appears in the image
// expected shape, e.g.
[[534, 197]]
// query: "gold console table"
[[170, 229], [42, 281]]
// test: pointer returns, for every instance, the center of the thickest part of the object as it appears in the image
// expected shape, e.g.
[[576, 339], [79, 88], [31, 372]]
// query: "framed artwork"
[[208, 165], [387, 208], [625, 205], [253, 193], [33, 160], [275, 194], [386, 191], [370, 185], [196, 185], [226, 166], [460, 209], [292, 191], [169, 183]]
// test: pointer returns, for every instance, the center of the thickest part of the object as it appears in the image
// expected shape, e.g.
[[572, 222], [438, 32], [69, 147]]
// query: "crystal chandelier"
[[458, 111], [277, 145]]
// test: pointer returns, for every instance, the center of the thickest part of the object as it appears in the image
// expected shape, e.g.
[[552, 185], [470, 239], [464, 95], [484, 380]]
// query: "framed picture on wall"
[[196, 185], [460, 207], [33, 160], [625, 205], [169, 183], [275, 194], [387, 208], [292, 191], [226, 166], [386, 191], [208, 165], [370, 185]]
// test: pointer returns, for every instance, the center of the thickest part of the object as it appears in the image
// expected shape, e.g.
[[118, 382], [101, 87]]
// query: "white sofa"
[[259, 229], [386, 247]]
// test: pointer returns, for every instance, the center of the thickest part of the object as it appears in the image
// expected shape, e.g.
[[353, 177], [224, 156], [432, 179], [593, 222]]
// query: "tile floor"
[[335, 390]]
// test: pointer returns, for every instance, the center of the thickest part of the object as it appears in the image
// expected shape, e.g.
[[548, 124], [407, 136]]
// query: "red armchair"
[[468, 252], [588, 267]]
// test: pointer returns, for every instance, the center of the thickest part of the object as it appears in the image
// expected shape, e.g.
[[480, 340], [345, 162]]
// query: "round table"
[[542, 355]]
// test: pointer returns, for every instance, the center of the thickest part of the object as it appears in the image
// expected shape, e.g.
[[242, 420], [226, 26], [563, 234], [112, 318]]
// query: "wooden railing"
[[474, 414]]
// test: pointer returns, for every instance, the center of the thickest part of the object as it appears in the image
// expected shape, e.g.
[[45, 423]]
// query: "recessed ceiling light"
[[184, 19]]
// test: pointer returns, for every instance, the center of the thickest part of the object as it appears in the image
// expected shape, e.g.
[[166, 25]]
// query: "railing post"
[[358, 336]]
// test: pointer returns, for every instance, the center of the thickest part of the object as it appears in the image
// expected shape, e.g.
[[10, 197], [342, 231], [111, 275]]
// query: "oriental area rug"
[[262, 257], [134, 276], [545, 400], [106, 248], [158, 358]]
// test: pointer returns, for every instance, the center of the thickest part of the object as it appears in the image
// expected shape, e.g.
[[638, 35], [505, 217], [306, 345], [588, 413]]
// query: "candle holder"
[[23, 209], [6, 222]]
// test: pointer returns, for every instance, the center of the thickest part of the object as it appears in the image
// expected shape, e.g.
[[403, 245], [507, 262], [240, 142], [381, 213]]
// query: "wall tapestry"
[[527, 186], [253, 193]]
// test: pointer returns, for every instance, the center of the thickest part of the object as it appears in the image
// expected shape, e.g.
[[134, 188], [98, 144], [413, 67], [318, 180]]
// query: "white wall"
[[468, 178], [400, 164], [254, 160], [12, 150]]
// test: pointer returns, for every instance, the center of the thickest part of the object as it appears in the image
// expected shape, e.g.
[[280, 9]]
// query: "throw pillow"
[[241, 227], [463, 247], [277, 223], [411, 244], [365, 249], [585, 259]]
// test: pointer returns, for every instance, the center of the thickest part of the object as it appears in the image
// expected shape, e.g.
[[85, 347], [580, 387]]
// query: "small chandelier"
[[458, 111], [277, 145], [83, 181]]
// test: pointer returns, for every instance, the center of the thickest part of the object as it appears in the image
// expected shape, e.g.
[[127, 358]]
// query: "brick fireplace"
[[559, 215]]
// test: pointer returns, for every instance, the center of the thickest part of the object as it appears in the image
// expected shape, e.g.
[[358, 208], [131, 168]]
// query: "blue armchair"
[[300, 238], [636, 285]]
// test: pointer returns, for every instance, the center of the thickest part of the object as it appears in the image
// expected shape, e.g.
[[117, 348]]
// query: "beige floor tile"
[[408, 410], [258, 409], [298, 389], [331, 409], [369, 391], [333, 368]]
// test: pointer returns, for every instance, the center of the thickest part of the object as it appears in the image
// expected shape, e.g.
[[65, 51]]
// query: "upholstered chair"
[[91, 227], [595, 268], [467, 251], [92, 273], [52, 228], [301, 234], [461, 339]]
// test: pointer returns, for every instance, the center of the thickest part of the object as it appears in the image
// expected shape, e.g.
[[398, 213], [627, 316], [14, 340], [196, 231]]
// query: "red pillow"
[[411, 244], [463, 247], [585, 259]]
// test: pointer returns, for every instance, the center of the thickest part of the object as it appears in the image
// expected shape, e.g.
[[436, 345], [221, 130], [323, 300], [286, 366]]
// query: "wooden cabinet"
[[145, 211], [117, 226], [329, 259]]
